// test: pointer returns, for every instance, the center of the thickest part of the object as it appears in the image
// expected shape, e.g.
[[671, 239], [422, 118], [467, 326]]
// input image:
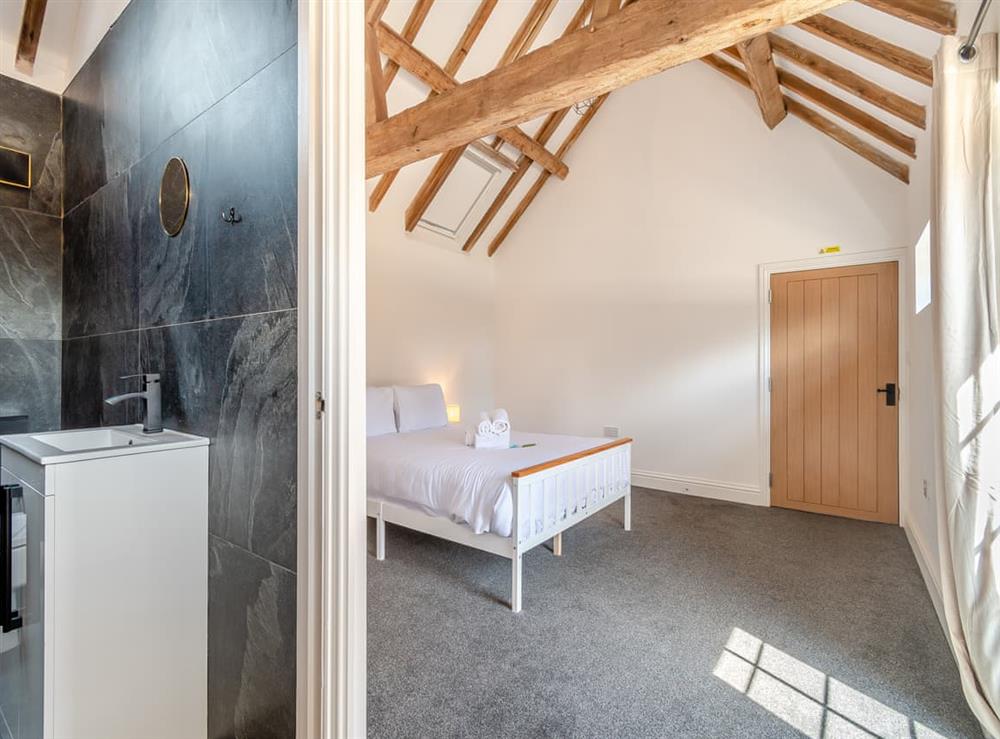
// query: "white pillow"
[[420, 407], [380, 415]]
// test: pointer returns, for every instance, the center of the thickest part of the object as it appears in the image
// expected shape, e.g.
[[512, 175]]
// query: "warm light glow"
[[454, 413], [817, 705]]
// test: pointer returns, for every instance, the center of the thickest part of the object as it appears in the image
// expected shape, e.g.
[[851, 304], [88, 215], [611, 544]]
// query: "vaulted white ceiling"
[[459, 205], [70, 32]]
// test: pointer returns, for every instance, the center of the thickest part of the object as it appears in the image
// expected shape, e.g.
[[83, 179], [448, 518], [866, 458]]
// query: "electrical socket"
[[612, 432]]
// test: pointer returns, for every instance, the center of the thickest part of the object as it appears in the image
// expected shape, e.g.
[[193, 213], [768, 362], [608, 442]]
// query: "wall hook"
[[232, 217]]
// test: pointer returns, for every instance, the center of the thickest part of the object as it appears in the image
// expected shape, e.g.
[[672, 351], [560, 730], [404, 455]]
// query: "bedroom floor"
[[709, 619]]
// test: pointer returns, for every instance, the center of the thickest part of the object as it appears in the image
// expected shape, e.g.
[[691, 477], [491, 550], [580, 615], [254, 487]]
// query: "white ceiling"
[[448, 18], [73, 28], [70, 32]]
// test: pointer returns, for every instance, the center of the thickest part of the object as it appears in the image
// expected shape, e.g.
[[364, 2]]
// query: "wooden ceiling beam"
[[853, 115], [425, 69], [604, 8], [851, 82], [374, 10], [545, 132], [640, 40], [410, 30], [527, 32], [31, 33], [523, 167], [529, 198], [375, 106], [756, 56], [497, 157], [934, 15], [525, 35], [454, 63], [523, 38], [859, 146], [839, 107], [890, 56], [430, 187], [446, 163]]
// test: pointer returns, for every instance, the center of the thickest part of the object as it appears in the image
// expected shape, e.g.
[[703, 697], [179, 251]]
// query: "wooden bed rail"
[[570, 458]]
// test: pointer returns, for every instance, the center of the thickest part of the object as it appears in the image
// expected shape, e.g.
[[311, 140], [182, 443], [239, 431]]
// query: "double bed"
[[504, 501]]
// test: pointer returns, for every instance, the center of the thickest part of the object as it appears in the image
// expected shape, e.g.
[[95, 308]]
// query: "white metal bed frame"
[[602, 473]]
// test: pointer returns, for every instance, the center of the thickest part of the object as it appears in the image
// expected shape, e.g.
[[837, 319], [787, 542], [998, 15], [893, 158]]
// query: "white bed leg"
[[557, 544], [515, 583], [380, 537], [628, 509]]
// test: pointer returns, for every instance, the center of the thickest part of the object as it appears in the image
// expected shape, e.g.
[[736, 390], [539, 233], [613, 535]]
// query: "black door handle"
[[9, 618], [890, 393]]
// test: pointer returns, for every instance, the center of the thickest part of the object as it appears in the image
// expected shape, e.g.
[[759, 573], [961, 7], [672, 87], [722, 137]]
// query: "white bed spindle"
[[545, 501]]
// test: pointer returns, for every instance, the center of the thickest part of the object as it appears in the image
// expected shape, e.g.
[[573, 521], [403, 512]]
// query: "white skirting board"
[[729, 491], [929, 569]]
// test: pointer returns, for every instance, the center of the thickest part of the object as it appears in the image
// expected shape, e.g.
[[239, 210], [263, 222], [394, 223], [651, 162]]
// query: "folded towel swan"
[[492, 431], [501, 421]]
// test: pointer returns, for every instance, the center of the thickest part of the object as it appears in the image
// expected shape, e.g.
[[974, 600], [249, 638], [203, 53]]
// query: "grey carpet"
[[621, 637]]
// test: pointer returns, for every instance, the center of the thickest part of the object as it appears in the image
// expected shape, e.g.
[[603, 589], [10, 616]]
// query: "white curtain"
[[965, 227]]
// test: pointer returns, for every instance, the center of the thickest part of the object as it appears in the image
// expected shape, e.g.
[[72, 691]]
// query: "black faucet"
[[153, 421]]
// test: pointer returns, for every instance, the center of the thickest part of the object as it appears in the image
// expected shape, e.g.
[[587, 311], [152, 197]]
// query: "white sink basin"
[[112, 441], [78, 441]]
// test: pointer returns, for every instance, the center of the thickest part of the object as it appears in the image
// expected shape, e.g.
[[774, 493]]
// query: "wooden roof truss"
[[734, 37]]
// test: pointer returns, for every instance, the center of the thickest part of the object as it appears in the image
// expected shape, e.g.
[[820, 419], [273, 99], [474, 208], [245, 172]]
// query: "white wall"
[[430, 311], [627, 295], [629, 291]]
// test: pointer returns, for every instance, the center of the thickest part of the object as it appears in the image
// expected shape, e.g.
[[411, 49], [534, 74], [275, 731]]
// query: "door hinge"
[[769, 384], [320, 404], [769, 296], [770, 479]]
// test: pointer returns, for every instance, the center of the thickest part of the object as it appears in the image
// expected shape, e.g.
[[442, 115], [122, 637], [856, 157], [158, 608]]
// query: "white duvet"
[[435, 472]]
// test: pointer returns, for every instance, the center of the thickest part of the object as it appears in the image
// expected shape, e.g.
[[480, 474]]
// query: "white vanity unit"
[[104, 597]]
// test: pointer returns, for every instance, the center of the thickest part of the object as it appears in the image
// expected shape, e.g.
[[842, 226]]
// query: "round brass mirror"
[[175, 194]]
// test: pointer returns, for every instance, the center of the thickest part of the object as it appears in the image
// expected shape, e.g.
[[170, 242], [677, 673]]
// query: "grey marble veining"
[[31, 121], [252, 166], [30, 275], [173, 271], [47, 190], [214, 82], [100, 275], [29, 381], [196, 52], [92, 368], [251, 646], [101, 112], [234, 380]]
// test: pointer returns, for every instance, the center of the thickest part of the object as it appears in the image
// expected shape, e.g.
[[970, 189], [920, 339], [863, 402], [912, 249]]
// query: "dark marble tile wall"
[[212, 309], [100, 285], [31, 121], [92, 370], [30, 274], [101, 114], [31, 258], [251, 633], [234, 381], [29, 381]]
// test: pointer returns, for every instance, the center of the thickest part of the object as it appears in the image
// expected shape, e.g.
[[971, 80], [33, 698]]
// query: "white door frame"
[[904, 292], [331, 629]]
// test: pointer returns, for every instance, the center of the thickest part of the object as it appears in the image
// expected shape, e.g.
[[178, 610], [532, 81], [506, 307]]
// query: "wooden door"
[[834, 435]]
